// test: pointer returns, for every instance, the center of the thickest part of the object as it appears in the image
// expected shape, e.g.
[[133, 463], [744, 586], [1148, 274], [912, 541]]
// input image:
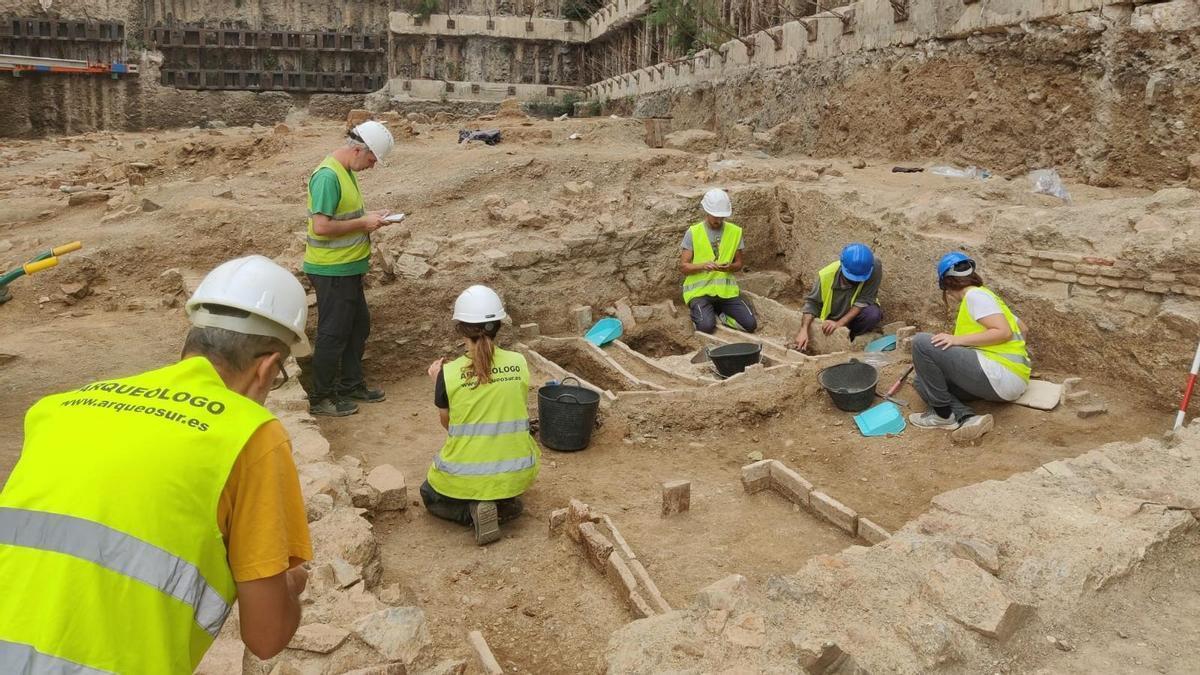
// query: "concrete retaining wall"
[[512, 27], [436, 90]]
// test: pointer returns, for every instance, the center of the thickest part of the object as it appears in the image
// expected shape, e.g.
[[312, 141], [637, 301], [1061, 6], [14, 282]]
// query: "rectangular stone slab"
[[1041, 395]]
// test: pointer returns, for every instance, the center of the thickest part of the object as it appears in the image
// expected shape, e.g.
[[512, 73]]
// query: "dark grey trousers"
[[705, 308], [945, 378]]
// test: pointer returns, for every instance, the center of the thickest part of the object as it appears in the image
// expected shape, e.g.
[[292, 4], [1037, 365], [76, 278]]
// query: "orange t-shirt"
[[261, 511]]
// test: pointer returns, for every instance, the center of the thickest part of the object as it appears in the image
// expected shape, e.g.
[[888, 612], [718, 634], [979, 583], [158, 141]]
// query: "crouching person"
[[489, 459], [985, 358]]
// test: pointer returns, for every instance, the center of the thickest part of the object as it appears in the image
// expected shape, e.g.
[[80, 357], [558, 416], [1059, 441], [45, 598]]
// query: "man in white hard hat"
[[711, 254], [142, 507], [336, 258]]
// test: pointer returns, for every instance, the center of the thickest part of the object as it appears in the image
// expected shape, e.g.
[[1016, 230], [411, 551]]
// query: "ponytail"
[[480, 350]]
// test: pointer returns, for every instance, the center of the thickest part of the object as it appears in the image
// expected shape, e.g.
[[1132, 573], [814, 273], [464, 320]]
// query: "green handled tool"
[[42, 261]]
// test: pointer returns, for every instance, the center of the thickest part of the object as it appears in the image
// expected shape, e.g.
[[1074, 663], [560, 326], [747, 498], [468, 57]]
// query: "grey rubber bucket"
[[566, 415], [729, 360], [851, 385]]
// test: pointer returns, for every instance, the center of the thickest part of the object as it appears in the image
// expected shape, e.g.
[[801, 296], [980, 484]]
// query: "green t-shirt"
[[326, 193]]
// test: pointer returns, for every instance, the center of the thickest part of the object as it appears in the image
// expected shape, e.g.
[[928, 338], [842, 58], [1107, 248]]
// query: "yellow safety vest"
[[1011, 354], [111, 558], [328, 252], [715, 283], [488, 454], [827, 276]]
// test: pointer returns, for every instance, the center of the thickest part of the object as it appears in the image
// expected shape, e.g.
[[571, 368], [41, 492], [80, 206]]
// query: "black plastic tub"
[[851, 385], [729, 360], [566, 416]]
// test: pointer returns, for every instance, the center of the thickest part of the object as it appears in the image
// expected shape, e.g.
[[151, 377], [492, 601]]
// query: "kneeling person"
[[489, 458], [712, 252], [846, 294]]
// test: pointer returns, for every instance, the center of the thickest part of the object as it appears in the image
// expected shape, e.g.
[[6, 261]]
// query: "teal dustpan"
[[884, 344], [880, 420], [604, 331]]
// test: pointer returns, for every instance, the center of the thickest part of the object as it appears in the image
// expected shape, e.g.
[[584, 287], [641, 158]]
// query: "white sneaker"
[[931, 420], [975, 427]]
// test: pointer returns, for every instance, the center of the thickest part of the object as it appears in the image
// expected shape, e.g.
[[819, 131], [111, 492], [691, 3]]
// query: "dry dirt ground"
[[542, 607]]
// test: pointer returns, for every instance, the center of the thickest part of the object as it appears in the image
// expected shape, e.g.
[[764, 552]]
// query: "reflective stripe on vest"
[[18, 658], [483, 468], [350, 247], [827, 276], [120, 553], [1011, 354], [488, 453], [712, 283], [110, 550], [342, 242], [488, 428]]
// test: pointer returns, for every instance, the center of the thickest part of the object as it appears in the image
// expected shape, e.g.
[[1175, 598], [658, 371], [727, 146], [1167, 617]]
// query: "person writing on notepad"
[[337, 257]]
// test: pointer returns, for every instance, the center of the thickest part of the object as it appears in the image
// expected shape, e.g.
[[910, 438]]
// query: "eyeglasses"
[[281, 378]]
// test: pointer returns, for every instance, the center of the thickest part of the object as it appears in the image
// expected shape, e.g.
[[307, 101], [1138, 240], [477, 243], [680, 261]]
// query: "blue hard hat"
[[857, 262], [954, 261]]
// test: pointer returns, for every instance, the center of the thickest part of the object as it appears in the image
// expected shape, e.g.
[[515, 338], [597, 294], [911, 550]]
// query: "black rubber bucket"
[[851, 385], [729, 360], [566, 415]]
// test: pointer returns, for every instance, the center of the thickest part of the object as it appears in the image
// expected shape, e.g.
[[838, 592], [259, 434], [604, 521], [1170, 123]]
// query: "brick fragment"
[[1162, 277], [1152, 287], [596, 547], [558, 518], [1112, 272], [756, 477], [641, 608], [1090, 270], [1021, 261], [621, 576], [577, 514], [1111, 283], [1088, 281], [834, 511], [648, 587], [676, 496], [1068, 278], [871, 531], [1041, 273], [1062, 267], [1132, 284], [790, 484]]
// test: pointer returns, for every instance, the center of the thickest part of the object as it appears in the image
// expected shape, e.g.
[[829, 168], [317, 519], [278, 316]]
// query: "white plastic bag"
[[969, 172], [1048, 182]]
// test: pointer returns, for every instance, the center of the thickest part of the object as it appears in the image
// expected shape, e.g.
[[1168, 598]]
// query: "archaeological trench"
[[1064, 541]]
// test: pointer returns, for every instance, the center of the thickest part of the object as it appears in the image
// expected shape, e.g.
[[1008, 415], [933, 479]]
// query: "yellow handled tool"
[[66, 248], [39, 265]]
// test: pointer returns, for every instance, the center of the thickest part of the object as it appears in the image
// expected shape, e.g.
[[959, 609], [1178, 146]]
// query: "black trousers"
[[459, 510], [343, 325]]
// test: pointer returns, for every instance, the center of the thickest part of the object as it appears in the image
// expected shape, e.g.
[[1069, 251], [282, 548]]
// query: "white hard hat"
[[376, 136], [478, 304], [276, 301], [716, 203]]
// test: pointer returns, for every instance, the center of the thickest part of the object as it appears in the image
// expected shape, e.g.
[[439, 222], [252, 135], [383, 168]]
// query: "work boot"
[[509, 509], [931, 420], [484, 516], [729, 322], [328, 407], [972, 428], [364, 395]]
